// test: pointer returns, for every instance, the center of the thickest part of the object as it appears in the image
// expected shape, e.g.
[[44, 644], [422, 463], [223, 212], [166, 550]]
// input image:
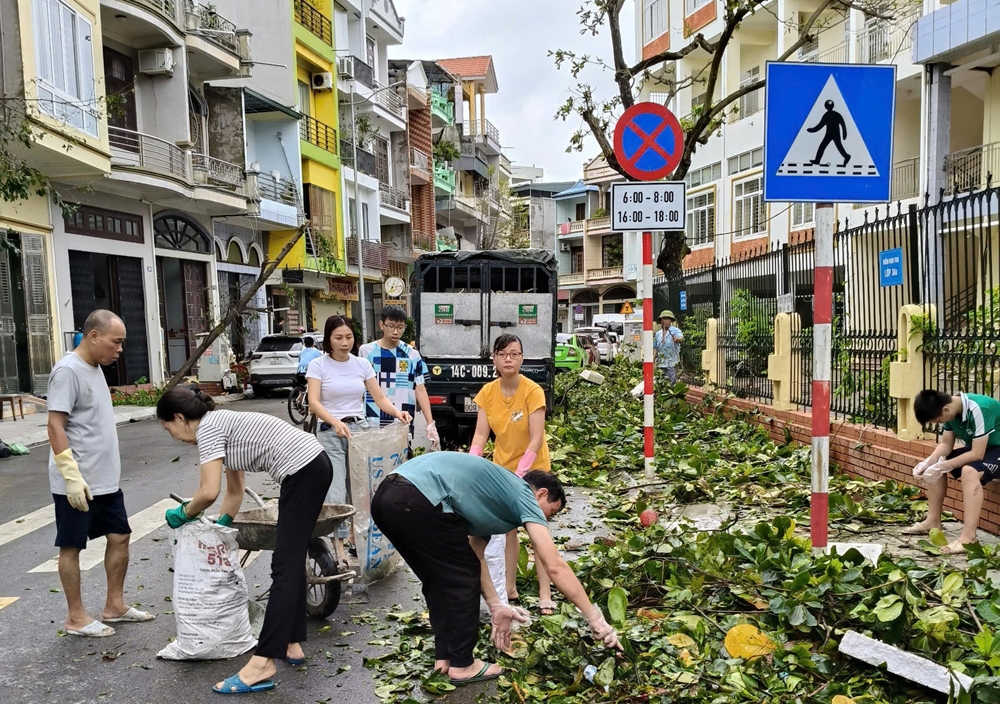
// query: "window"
[[746, 161], [576, 261], [706, 174], [654, 19], [750, 103], [690, 6], [612, 254], [65, 58], [109, 224], [364, 220], [321, 208], [659, 98], [581, 211], [748, 208], [803, 215], [370, 52], [698, 103], [305, 98], [701, 218]]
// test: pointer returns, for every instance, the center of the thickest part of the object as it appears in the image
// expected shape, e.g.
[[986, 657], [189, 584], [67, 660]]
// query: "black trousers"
[[299, 505], [436, 546]]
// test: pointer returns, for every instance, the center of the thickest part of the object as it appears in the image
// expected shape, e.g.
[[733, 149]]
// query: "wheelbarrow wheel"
[[321, 599]]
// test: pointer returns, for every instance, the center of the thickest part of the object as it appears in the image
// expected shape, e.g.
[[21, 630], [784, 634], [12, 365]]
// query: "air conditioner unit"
[[345, 67], [564, 247], [322, 81], [156, 62]]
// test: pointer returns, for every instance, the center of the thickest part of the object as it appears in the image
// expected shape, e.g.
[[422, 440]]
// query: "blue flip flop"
[[234, 685], [295, 662]]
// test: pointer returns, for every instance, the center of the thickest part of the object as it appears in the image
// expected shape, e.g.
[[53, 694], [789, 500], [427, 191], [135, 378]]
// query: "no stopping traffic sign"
[[648, 141]]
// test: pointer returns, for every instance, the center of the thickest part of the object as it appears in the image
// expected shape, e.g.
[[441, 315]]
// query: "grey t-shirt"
[[81, 391]]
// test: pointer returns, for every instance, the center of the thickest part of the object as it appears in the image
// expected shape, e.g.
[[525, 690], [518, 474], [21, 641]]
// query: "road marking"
[[6, 601], [142, 523], [18, 528]]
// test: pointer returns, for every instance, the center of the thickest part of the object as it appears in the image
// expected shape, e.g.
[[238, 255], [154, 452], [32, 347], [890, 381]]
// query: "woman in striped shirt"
[[256, 442]]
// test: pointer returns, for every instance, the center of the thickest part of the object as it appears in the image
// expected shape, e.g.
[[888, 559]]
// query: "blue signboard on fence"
[[890, 267], [828, 132], [684, 300]]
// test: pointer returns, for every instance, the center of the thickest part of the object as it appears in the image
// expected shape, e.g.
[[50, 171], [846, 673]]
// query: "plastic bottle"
[[588, 673]]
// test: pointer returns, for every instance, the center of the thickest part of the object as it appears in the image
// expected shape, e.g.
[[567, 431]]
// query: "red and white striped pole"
[[819, 513], [647, 349]]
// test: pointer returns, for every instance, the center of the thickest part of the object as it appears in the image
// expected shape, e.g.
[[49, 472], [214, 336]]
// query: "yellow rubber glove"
[[77, 491]]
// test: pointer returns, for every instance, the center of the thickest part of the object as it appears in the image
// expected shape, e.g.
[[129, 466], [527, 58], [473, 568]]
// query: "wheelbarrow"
[[257, 528]]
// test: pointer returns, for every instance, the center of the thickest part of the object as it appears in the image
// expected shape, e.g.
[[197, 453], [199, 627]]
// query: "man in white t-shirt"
[[84, 473]]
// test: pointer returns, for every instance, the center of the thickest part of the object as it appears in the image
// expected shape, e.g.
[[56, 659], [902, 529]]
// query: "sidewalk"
[[32, 430]]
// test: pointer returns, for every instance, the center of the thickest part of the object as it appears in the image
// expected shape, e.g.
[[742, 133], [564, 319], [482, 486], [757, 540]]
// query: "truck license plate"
[[470, 405]]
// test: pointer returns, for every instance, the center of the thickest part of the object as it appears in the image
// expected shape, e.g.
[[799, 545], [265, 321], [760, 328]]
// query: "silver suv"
[[275, 361]]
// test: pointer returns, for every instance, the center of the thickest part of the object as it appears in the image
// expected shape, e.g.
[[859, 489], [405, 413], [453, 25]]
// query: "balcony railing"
[[389, 100], [576, 226], [352, 67], [165, 8], [490, 193], [218, 172], [392, 197], [610, 272], [571, 279], [217, 28], [906, 179], [374, 255], [971, 168], [442, 107], [419, 160], [279, 190], [367, 164], [885, 40], [148, 153], [594, 224], [444, 178], [834, 55], [481, 128], [425, 241], [313, 20], [319, 134]]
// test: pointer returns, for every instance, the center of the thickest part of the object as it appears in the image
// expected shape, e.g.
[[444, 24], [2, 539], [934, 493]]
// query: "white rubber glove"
[[933, 473], [77, 491], [432, 435], [502, 616], [602, 630], [919, 470]]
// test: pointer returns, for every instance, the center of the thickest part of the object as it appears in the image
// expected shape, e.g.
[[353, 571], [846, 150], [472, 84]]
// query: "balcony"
[[314, 20], [834, 55], [605, 274], [366, 160], [574, 279], [144, 152], [442, 109], [425, 241], [483, 132], [216, 172], [394, 198], [572, 228], [352, 68], [887, 41], [165, 9], [374, 255], [906, 179], [217, 29], [420, 167], [319, 134], [490, 193], [971, 169], [388, 99], [474, 160], [275, 203], [444, 180], [277, 189], [599, 226], [460, 208]]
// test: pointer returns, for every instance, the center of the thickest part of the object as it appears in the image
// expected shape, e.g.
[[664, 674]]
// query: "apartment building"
[[727, 217]]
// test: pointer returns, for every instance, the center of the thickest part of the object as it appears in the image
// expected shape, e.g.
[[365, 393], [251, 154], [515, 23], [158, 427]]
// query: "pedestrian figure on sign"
[[84, 473], [836, 130]]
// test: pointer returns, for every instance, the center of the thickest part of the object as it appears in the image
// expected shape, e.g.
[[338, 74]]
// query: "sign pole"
[[647, 350], [822, 372]]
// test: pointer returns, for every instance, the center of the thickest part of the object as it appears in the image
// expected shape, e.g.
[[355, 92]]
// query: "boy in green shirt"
[[975, 420]]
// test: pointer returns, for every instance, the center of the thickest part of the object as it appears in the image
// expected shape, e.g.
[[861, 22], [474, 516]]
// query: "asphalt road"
[[40, 666]]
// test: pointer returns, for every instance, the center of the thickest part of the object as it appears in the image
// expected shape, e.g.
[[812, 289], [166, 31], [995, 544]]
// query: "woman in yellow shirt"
[[513, 407]]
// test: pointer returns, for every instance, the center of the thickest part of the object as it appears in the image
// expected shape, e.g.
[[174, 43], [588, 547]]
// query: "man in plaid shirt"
[[400, 371]]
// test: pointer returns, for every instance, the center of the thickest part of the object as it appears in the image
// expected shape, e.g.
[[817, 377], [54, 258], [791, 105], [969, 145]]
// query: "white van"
[[616, 321]]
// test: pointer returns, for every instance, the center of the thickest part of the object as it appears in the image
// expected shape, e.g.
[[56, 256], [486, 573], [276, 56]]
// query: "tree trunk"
[[237, 309], [671, 258]]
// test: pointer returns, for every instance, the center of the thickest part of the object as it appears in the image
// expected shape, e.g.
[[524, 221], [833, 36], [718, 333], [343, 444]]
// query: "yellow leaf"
[[841, 699], [748, 642], [650, 614], [685, 657], [682, 640], [790, 533]]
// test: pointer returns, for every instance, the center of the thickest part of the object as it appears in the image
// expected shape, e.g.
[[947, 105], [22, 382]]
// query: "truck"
[[463, 301]]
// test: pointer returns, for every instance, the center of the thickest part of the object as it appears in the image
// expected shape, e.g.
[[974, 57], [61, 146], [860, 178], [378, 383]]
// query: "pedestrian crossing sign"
[[627, 309], [828, 132]]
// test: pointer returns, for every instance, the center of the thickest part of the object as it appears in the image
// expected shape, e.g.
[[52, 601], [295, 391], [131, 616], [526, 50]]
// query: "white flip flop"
[[94, 629], [133, 615]]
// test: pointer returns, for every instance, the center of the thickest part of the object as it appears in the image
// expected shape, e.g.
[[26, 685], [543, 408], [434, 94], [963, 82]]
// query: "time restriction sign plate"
[[651, 205]]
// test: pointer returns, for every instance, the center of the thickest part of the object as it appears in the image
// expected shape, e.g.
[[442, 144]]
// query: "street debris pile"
[[743, 613]]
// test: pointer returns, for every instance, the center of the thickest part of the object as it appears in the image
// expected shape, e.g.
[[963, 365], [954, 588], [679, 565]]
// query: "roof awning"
[[255, 104]]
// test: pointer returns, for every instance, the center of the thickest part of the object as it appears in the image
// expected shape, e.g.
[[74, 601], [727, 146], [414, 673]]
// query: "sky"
[[518, 34]]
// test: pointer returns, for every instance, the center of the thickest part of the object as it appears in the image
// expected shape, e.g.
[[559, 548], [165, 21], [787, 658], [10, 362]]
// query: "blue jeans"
[[336, 450], [671, 373]]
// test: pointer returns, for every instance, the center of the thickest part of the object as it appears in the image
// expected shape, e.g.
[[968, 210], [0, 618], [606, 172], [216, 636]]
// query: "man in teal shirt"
[[439, 510], [975, 420]]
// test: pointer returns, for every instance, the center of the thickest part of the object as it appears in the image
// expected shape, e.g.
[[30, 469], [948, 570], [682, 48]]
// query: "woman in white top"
[[256, 442], [337, 384]]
